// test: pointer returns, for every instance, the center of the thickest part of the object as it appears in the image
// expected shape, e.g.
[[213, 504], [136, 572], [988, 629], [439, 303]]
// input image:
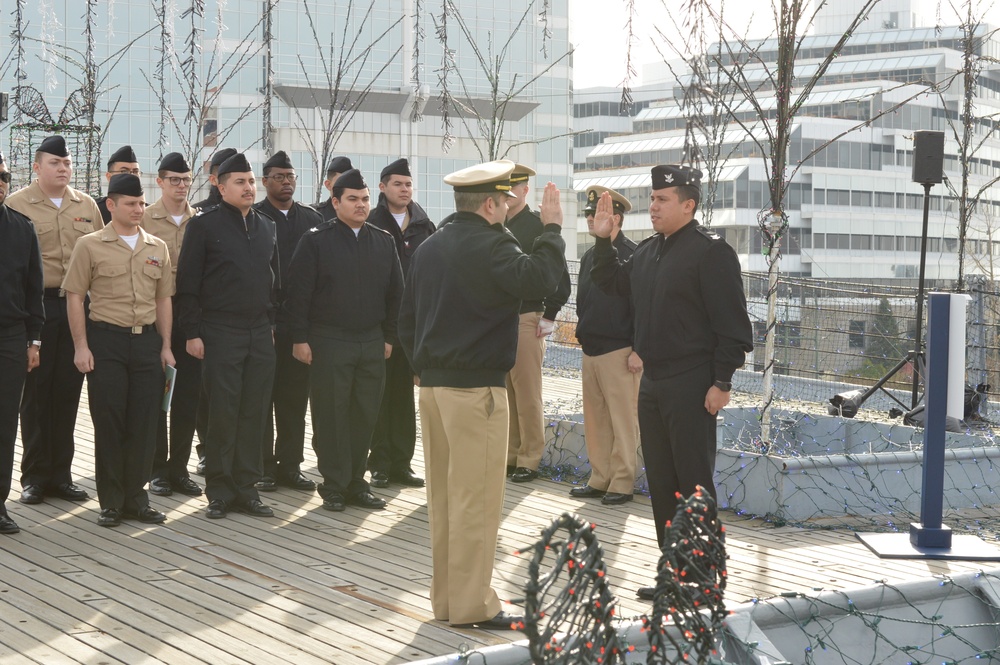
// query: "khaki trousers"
[[464, 432], [610, 420], [524, 391]]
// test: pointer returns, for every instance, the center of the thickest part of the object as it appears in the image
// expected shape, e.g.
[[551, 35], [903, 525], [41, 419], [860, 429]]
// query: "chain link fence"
[[832, 333]]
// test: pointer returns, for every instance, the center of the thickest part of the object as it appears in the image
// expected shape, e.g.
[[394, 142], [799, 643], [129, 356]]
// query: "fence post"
[[976, 322]]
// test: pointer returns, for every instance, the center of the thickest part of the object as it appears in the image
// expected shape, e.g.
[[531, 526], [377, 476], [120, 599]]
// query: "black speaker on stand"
[[928, 170]]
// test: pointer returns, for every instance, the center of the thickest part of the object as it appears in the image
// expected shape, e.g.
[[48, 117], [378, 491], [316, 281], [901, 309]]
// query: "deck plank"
[[310, 586]]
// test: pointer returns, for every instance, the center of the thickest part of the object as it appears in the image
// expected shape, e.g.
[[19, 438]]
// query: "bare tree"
[[78, 116], [485, 119], [343, 85], [970, 129], [707, 95], [787, 93], [203, 79], [981, 251]]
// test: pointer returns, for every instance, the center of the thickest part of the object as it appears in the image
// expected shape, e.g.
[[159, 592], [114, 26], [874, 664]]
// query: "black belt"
[[55, 293], [134, 330]]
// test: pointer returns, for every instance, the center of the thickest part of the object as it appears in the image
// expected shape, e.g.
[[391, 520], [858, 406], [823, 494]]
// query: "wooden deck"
[[317, 587]]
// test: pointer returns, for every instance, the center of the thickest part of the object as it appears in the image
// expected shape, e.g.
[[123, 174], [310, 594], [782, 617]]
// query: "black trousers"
[[173, 447], [49, 404], [289, 397], [678, 439], [345, 385], [396, 428], [126, 392], [13, 368], [237, 373]]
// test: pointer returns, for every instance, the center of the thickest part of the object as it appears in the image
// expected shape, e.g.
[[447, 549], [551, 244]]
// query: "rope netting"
[[570, 613]]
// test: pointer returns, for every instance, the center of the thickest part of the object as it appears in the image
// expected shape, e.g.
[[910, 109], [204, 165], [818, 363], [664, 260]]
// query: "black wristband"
[[724, 386]]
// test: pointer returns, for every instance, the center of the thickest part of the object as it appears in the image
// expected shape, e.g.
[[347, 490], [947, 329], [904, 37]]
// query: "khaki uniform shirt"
[[58, 229], [124, 284], [158, 222]]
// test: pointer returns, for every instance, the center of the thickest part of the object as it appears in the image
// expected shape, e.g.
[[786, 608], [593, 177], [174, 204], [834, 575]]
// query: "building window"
[[856, 338], [838, 241]]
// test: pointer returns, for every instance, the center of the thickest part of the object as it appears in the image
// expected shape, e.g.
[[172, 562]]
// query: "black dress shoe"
[[160, 487], [586, 492], [502, 621], [7, 525], [217, 509], [109, 517], [267, 483], [523, 475], [646, 593], [32, 494], [334, 503], [147, 515], [70, 492], [296, 481], [256, 508], [366, 500], [615, 499], [199, 469], [407, 478], [380, 479], [186, 486]]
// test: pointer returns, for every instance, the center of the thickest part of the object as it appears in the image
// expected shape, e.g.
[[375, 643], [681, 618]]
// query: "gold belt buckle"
[[137, 330]]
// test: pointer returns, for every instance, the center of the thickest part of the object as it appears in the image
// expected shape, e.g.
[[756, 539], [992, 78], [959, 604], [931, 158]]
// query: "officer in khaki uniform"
[[167, 219], [536, 322], [458, 326], [611, 370], [61, 215], [123, 347]]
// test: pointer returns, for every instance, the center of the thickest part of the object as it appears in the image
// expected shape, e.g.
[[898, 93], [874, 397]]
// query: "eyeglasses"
[[5, 177], [282, 177], [132, 171], [177, 181]]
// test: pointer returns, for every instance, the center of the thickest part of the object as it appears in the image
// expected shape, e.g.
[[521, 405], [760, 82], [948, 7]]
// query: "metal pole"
[[920, 295]]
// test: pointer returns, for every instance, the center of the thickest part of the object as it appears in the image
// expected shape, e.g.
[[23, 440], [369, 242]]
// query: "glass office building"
[[195, 75]]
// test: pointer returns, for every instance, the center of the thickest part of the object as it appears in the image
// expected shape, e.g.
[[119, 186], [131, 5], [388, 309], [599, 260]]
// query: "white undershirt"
[[284, 212], [177, 219], [399, 218], [357, 232], [57, 202], [131, 240]]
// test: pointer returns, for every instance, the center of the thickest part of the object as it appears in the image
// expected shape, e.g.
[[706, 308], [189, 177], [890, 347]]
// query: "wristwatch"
[[724, 386], [35, 342]]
